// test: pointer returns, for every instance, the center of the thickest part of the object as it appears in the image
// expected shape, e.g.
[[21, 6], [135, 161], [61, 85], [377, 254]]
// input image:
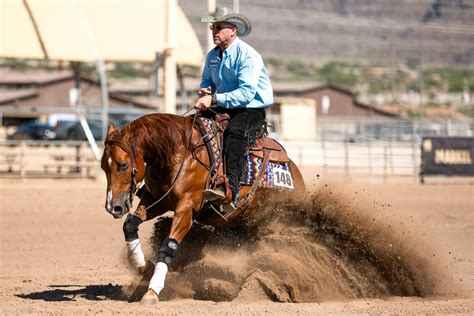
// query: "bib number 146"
[[283, 178]]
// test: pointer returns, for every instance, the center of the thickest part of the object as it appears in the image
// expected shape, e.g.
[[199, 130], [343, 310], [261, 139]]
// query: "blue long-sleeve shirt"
[[240, 79]]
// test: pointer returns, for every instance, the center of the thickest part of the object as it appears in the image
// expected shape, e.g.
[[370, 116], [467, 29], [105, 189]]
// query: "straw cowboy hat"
[[227, 15]]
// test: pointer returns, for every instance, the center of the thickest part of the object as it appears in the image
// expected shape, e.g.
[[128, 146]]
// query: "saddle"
[[267, 164], [276, 151], [266, 149], [273, 148]]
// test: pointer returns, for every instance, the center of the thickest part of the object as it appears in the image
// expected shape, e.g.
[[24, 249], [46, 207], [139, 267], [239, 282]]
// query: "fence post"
[[385, 163], [369, 149], [323, 147], [413, 150], [78, 158], [391, 155], [82, 162], [22, 159], [346, 159]]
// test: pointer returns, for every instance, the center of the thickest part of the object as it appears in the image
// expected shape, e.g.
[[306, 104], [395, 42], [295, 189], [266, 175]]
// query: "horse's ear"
[[111, 128]]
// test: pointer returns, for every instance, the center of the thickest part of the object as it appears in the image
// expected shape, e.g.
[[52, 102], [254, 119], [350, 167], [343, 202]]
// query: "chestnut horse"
[[167, 152]]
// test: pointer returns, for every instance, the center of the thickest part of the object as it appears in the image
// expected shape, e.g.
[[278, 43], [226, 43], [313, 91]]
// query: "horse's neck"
[[160, 150]]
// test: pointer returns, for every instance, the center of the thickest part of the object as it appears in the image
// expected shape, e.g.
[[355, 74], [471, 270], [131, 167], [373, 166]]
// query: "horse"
[[166, 153]]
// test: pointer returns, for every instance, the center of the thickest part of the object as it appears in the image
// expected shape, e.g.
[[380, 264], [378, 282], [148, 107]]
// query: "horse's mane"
[[164, 133]]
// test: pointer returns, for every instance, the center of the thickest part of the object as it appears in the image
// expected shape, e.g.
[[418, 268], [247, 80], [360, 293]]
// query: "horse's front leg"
[[134, 248], [182, 222], [130, 230]]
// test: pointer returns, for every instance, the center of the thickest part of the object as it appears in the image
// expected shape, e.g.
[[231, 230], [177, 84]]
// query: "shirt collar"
[[229, 49], [232, 47]]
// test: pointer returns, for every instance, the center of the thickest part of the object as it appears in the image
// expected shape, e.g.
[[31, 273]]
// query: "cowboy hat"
[[227, 15]]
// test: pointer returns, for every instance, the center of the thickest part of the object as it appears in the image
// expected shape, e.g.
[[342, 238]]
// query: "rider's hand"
[[204, 91], [204, 102]]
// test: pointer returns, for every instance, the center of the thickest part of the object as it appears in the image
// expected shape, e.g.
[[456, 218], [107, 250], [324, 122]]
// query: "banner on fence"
[[451, 156]]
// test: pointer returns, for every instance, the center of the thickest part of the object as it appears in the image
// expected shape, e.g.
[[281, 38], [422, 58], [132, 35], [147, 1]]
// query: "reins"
[[130, 149]]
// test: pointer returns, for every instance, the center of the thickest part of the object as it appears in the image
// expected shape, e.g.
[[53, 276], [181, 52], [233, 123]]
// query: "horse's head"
[[124, 167]]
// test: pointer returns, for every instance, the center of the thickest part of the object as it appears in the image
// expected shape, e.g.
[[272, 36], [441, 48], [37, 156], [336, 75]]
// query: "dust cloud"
[[326, 246]]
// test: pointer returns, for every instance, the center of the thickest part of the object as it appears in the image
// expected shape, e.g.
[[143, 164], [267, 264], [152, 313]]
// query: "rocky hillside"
[[368, 31]]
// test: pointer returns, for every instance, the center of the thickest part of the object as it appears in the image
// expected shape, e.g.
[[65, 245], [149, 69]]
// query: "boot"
[[214, 195], [232, 206]]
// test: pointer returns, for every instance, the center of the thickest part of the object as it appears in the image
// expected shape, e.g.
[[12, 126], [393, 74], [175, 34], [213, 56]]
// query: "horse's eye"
[[123, 166]]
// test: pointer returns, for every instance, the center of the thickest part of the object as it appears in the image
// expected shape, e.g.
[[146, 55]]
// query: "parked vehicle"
[[33, 131], [73, 130]]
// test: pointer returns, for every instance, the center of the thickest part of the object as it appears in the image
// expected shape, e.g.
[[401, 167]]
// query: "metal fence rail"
[[75, 159], [373, 148], [66, 159], [380, 158], [401, 130]]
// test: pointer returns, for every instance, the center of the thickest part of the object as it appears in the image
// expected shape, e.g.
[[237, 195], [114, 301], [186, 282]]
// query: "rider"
[[234, 81]]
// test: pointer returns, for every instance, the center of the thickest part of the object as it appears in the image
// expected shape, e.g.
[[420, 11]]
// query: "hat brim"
[[241, 22]]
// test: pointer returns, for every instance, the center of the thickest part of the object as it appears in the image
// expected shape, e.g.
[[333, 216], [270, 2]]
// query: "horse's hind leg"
[[130, 230]]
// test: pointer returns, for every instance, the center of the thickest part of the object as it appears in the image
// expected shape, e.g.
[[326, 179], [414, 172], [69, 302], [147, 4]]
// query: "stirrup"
[[213, 195], [226, 208]]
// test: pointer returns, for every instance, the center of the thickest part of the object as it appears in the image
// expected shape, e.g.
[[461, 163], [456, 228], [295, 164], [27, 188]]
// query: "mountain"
[[441, 32]]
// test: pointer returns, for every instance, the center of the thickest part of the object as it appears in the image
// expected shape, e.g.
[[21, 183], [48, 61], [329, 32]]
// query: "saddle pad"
[[210, 138], [278, 175]]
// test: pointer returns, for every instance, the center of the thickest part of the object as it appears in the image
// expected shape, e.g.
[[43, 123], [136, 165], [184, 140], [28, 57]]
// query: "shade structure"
[[88, 30]]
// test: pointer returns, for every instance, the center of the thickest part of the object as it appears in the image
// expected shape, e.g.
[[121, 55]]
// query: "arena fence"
[[25, 159], [71, 159], [351, 148]]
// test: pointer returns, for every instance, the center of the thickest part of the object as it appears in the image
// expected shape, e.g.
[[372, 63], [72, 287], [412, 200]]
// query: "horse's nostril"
[[117, 209]]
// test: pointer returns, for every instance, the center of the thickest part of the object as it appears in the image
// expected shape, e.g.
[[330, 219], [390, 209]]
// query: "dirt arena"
[[349, 248]]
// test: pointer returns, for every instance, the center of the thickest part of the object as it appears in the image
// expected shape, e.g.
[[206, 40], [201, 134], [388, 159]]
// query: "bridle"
[[130, 150]]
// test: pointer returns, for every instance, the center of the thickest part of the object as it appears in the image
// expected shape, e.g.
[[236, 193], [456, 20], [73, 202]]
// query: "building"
[[35, 95], [299, 111], [336, 112], [332, 101]]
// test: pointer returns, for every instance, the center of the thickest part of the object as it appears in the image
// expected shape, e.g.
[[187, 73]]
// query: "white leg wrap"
[[135, 253], [157, 282]]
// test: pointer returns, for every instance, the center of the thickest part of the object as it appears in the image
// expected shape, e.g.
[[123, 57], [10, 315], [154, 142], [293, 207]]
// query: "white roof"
[[85, 30]]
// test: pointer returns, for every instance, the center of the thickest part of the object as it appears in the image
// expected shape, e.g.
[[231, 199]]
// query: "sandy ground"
[[61, 253]]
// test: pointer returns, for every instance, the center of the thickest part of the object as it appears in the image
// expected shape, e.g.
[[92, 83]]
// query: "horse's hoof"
[[150, 298]]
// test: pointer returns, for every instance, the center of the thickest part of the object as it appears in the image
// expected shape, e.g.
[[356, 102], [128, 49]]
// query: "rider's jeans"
[[242, 121]]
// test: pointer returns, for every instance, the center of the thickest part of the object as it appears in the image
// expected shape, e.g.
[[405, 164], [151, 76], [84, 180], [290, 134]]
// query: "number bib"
[[277, 175], [282, 178]]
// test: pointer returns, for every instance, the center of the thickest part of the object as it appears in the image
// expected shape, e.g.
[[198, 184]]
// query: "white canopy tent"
[[98, 31], [84, 30]]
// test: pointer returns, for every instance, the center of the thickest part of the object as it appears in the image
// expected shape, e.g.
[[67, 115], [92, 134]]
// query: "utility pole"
[[236, 6], [420, 72], [211, 8], [170, 59], [433, 12], [420, 79]]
